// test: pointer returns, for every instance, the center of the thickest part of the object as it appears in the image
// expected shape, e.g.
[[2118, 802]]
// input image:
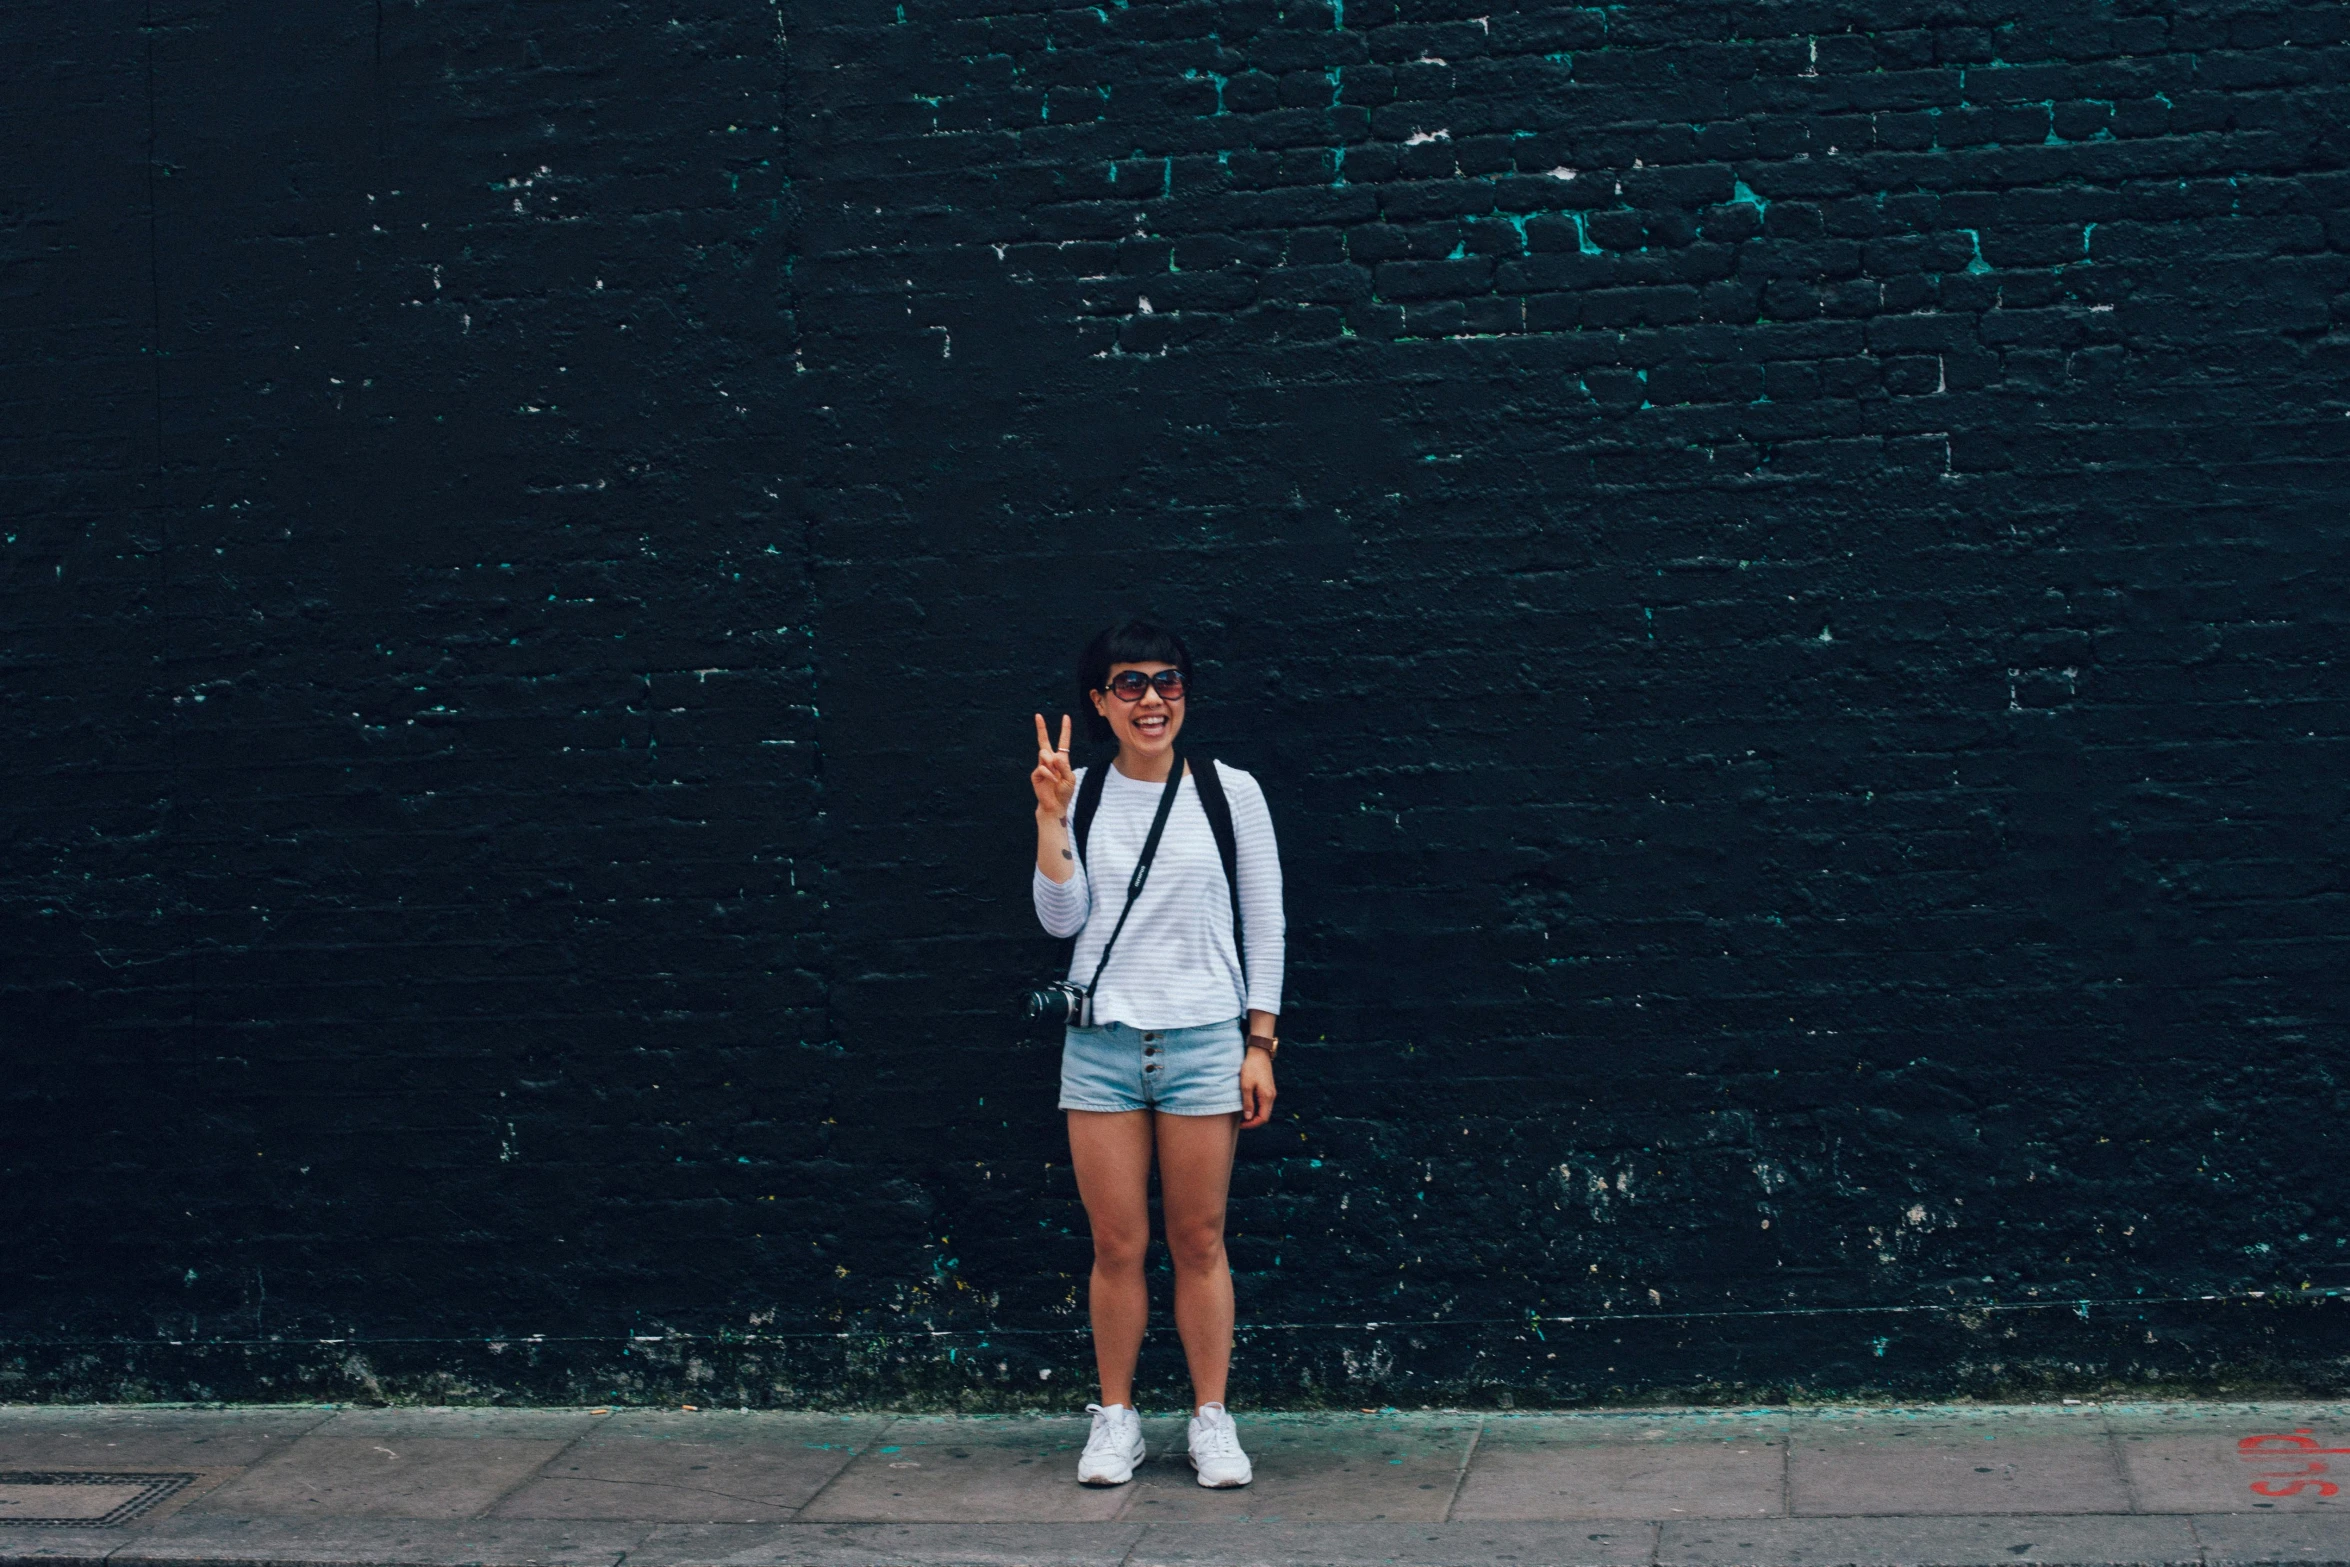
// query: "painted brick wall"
[[1782, 568]]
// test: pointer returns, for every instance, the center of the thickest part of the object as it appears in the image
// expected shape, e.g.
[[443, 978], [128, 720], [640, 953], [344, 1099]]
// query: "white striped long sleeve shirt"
[[1174, 965]]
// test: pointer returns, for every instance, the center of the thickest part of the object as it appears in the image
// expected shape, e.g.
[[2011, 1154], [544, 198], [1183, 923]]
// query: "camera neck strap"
[[1142, 870]]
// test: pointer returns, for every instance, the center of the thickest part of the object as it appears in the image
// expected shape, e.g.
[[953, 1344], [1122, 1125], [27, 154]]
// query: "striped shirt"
[[1175, 965]]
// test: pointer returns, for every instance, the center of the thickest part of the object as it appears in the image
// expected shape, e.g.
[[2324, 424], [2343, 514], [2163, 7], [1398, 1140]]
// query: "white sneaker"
[[1113, 1449], [1215, 1449]]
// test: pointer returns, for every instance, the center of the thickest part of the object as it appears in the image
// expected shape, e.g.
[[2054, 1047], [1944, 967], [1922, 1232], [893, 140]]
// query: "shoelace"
[[1105, 1425], [1216, 1439]]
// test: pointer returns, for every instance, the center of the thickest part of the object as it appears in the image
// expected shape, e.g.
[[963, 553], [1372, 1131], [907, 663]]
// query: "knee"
[[1197, 1248], [1118, 1252]]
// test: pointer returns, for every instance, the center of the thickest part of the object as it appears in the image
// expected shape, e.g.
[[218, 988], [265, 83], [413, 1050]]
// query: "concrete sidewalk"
[[1923, 1487]]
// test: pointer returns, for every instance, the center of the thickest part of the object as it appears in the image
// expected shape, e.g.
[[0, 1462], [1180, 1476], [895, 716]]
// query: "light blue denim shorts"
[[1182, 1071]]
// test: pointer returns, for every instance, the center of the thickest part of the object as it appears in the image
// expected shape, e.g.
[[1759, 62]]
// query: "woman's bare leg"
[[1195, 1174], [1111, 1151]]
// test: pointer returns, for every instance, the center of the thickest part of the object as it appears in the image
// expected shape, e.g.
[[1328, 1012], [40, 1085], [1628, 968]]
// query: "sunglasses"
[[1129, 685]]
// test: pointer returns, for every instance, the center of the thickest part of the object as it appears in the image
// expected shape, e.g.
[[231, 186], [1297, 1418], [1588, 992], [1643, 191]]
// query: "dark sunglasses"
[[1129, 685]]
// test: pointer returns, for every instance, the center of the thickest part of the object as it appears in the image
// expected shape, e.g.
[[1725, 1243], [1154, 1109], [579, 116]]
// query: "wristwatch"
[[1267, 1043]]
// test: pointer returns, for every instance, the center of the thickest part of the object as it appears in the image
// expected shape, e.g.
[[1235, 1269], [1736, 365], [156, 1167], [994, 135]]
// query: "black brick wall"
[[1782, 566]]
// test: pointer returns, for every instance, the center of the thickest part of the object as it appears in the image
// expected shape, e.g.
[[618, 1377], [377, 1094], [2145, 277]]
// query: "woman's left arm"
[[1256, 1075], [1259, 862]]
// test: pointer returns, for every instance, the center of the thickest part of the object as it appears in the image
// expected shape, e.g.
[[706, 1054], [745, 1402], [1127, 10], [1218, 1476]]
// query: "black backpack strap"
[[1212, 799], [1089, 800]]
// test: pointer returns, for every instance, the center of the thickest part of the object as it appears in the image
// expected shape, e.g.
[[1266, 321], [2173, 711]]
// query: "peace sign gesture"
[[1054, 783]]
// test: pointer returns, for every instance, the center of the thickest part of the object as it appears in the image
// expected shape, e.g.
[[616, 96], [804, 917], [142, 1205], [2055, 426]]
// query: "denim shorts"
[[1181, 1071]]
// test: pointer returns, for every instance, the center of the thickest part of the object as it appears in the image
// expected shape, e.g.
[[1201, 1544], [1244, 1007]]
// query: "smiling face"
[[1146, 729]]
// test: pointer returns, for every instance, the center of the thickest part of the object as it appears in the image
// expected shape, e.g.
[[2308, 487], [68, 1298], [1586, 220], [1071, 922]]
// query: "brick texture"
[[1782, 567]]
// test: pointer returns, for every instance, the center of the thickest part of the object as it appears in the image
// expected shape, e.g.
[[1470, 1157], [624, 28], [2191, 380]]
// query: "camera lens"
[[1056, 1003]]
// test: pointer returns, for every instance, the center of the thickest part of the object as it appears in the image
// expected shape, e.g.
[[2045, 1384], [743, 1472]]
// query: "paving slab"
[[887, 1545], [41, 1436], [1730, 1465], [84, 1498], [671, 1467], [2239, 1540], [1496, 1544], [2214, 1458], [1311, 1468], [58, 1547], [148, 1461], [469, 1425], [973, 1469], [391, 1476], [406, 1542], [1953, 1461], [1930, 1542]]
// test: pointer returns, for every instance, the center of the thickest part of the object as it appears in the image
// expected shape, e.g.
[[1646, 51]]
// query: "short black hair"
[[1134, 641]]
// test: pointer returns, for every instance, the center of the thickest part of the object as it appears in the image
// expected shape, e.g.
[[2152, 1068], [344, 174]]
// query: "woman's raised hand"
[[1054, 783]]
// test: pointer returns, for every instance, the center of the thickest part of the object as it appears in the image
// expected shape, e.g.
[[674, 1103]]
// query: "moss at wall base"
[[2243, 1347]]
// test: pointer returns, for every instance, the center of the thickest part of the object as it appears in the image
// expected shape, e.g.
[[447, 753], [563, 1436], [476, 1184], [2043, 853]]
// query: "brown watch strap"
[[1265, 1042]]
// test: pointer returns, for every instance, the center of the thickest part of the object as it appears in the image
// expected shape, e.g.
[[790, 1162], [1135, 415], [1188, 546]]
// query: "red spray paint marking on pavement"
[[2272, 1447]]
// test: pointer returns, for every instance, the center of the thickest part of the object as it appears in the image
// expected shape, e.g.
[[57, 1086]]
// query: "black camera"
[[1056, 1004]]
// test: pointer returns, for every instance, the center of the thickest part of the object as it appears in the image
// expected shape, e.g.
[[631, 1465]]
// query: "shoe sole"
[[1221, 1485], [1123, 1479]]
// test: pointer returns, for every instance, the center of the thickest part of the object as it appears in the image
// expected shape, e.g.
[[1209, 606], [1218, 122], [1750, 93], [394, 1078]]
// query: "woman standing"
[[1174, 1053]]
